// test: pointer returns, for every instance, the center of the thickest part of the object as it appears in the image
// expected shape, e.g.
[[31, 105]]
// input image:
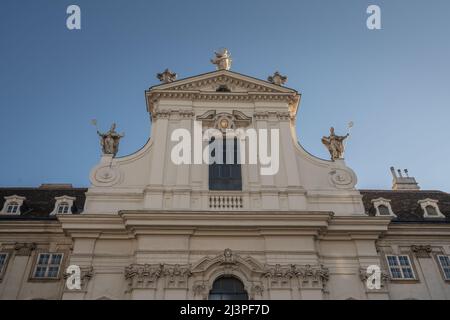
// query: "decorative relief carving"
[[147, 275], [200, 289], [204, 272], [228, 257], [279, 276], [143, 275], [421, 251], [257, 290], [341, 178], [308, 276], [176, 275], [106, 175], [223, 121], [312, 277]]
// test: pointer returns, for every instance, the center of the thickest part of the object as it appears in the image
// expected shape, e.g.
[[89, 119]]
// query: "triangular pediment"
[[222, 80]]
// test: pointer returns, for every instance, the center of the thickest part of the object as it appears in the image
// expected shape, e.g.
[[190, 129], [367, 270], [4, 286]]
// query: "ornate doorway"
[[228, 288]]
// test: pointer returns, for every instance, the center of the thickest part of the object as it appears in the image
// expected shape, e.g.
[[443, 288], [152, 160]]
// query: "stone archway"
[[246, 270]]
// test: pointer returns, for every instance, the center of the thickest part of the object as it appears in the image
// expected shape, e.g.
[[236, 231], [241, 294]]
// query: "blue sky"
[[393, 83]]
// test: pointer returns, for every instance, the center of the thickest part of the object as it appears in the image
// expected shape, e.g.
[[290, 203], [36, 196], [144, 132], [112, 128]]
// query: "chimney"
[[400, 182]]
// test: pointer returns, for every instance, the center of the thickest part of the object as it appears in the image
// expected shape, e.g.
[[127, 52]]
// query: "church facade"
[[151, 227]]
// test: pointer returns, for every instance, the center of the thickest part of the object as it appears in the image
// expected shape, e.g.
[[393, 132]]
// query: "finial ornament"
[[277, 79], [167, 76], [109, 140], [335, 144], [222, 60]]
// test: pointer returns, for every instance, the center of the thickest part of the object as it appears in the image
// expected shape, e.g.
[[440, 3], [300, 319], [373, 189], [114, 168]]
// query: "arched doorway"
[[228, 288]]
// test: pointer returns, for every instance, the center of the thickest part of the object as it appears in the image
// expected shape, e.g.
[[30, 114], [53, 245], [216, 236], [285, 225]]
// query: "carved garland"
[[176, 276]]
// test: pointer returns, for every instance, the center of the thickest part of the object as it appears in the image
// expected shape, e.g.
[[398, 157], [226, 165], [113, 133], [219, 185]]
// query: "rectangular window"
[[444, 262], [400, 267], [48, 265], [225, 175], [3, 261]]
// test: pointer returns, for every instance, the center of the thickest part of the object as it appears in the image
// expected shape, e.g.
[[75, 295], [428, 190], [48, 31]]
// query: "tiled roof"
[[404, 203], [40, 202]]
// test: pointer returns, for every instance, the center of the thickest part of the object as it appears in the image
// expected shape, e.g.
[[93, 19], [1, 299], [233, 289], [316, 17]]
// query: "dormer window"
[[63, 205], [12, 208], [430, 208], [431, 211], [12, 205], [383, 207], [383, 210]]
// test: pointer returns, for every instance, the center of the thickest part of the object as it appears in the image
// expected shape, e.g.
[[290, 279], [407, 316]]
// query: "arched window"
[[13, 207], [431, 211], [63, 207], [228, 288], [383, 210]]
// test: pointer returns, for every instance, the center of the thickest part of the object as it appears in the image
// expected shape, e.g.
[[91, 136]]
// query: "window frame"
[[383, 202], [400, 267], [65, 206], [61, 200], [441, 267], [424, 203], [217, 182], [5, 264], [13, 204], [433, 208], [387, 212], [48, 265], [12, 200]]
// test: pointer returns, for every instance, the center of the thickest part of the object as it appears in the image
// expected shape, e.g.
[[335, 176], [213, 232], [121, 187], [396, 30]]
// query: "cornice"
[[27, 227]]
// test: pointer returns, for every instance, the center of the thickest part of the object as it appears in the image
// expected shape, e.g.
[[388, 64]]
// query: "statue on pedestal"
[[222, 60], [335, 144], [110, 140]]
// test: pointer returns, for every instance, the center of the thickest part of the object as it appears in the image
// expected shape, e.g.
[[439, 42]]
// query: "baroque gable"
[[222, 85]]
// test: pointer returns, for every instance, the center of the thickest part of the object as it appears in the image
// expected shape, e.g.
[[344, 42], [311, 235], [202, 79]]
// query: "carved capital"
[[421, 251], [24, 249], [176, 275], [313, 276], [143, 275]]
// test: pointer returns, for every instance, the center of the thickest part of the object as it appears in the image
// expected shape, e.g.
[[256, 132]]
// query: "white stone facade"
[[152, 229]]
